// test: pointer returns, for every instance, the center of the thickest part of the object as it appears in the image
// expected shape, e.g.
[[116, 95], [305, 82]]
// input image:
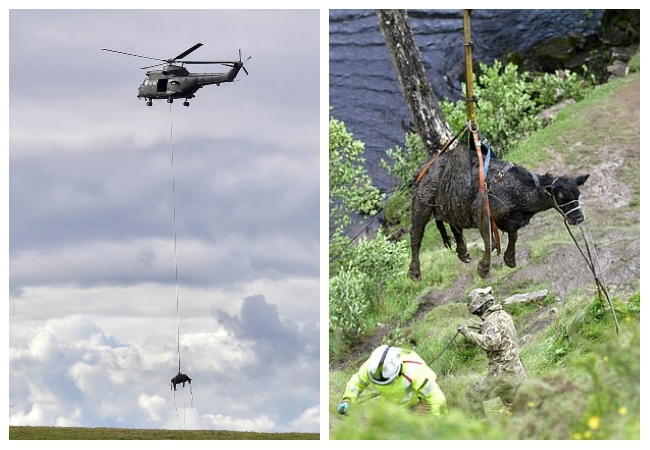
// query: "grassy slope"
[[581, 385]]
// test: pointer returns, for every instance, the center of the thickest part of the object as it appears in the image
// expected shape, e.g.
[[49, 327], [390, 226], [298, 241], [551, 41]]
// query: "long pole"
[[469, 74]]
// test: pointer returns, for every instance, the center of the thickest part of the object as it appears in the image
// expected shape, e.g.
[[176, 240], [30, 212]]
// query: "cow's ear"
[[581, 179]]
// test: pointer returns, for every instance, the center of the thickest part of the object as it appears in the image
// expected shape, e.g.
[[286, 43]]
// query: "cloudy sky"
[[93, 319]]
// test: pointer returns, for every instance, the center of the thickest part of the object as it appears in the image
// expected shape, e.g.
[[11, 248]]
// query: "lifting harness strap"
[[442, 150], [486, 206]]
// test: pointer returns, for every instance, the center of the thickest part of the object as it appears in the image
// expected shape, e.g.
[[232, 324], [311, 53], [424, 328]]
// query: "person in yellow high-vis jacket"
[[399, 375]]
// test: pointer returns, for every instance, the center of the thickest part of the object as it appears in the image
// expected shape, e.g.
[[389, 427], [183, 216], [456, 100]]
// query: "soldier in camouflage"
[[498, 337]]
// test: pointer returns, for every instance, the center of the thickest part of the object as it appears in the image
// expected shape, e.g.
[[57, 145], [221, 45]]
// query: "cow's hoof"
[[414, 276], [483, 272], [510, 261], [464, 257], [414, 271]]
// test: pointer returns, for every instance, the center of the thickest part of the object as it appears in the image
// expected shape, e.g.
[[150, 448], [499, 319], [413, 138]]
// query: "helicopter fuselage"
[[177, 82]]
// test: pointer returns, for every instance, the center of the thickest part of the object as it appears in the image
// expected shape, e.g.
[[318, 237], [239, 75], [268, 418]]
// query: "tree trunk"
[[429, 121]]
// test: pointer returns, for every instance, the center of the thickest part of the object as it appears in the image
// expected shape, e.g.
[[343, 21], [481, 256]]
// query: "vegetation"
[[83, 433], [404, 161], [360, 270], [350, 189], [370, 264], [509, 101], [581, 385]]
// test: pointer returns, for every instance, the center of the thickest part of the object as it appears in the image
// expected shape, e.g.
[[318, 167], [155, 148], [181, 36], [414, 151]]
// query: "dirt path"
[[607, 201]]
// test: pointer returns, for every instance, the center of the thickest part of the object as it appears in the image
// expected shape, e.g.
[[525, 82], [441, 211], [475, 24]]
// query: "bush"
[[549, 89], [351, 192], [358, 288], [509, 101], [405, 162], [348, 304], [350, 187]]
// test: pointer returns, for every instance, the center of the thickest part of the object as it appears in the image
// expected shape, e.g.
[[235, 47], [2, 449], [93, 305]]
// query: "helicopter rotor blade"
[[187, 52], [149, 67], [131, 54], [177, 59], [207, 62]]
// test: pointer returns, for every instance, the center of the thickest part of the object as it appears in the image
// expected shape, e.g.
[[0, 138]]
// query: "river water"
[[365, 93]]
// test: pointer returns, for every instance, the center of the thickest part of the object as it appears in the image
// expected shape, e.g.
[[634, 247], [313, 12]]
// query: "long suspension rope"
[[178, 329], [171, 145]]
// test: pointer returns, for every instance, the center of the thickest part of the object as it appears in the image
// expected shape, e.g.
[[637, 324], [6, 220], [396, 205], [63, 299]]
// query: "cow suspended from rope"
[[180, 378], [449, 192]]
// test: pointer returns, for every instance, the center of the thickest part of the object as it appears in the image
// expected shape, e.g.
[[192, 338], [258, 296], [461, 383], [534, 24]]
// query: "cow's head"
[[565, 194]]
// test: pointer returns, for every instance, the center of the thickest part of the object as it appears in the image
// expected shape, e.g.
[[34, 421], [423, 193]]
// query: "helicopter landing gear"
[[170, 100], [186, 103], [149, 103]]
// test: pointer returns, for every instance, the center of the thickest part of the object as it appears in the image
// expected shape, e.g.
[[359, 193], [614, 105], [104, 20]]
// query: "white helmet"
[[384, 364]]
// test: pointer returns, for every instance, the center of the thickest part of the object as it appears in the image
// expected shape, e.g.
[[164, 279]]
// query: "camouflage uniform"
[[498, 337]]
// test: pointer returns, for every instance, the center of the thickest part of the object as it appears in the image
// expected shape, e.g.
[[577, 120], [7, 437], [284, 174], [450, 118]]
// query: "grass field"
[[81, 433]]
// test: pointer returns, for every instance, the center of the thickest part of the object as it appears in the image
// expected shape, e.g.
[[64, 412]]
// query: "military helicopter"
[[175, 81]]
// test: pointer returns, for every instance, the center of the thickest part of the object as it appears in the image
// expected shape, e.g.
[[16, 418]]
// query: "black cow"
[[449, 191], [180, 378]]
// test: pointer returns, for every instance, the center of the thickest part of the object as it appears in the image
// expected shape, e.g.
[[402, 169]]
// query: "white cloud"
[[43, 346], [260, 424], [154, 405], [40, 414], [71, 370], [307, 421]]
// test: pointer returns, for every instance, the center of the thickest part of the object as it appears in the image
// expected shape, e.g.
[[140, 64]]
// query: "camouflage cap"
[[479, 297]]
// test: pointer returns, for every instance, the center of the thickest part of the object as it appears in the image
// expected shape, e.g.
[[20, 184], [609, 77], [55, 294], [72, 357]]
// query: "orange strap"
[[423, 171], [481, 179], [442, 150]]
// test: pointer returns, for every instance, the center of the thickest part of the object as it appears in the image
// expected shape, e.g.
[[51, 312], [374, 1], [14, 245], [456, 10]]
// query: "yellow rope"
[[469, 74]]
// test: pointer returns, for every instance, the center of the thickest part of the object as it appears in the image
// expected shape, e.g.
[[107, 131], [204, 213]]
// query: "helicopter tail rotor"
[[239, 63], [242, 63]]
